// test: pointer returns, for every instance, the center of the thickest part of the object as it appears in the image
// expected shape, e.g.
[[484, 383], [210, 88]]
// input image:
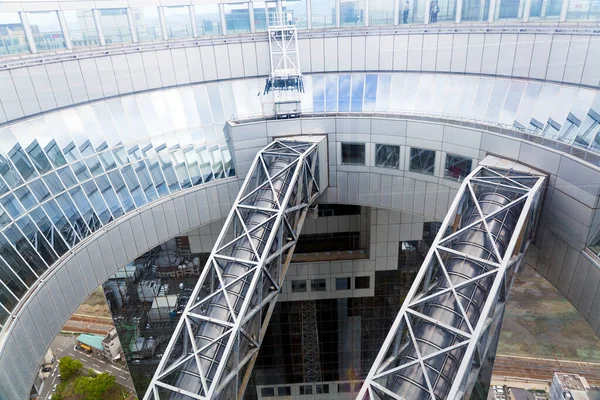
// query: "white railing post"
[[65, 30], [28, 32], [101, 39], [134, 36]]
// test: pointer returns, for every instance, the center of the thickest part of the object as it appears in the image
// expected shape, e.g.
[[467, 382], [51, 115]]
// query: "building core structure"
[[432, 146]]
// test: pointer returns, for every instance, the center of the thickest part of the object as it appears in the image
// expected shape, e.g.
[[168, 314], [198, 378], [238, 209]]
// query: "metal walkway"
[[444, 338], [215, 344]]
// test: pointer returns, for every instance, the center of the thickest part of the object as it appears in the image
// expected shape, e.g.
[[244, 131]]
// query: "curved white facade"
[[461, 91]]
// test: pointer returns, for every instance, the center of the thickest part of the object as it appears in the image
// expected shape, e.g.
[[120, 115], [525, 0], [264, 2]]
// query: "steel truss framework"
[[284, 55], [446, 305], [213, 349]]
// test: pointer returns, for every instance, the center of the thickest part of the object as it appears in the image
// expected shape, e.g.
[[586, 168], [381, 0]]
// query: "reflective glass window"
[[362, 282], [237, 19], [66, 176], [134, 186], [475, 10], [267, 392], [344, 387], [208, 19], [55, 155], [40, 191], [121, 189], [422, 161], [82, 28], [108, 161], [115, 25], [352, 13], [73, 216], [344, 84], [41, 220], [545, 9], [46, 30], [9, 173], [25, 197], [441, 11], [353, 153], [81, 171], [381, 12], [109, 196], [298, 12], [387, 156], [30, 230], [38, 158], [262, 10], [144, 177], [12, 34], [8, 296], [306, 389], [5, 218], [284, 391], [88, 214], [509, 9], [318, 83], [16, 263], [342, 284], [61, 223], [298, 286], [178, 22], [457, 167], [20, 160], [93, 194], [25, 249], [370, 91], [11, 205], [147, 23], [318, 285], [331, 89], [322, 14], [358, 86], [583, 9], [412, 11]]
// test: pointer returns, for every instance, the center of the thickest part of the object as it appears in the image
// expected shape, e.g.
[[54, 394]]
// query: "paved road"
[[65, 346]]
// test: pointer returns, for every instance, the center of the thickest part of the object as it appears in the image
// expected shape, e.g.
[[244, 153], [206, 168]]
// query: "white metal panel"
[[202, 202], [591, 70], [25, 91], [58, 298], [9, 98], [579, 279], [222, 59], [139, 237], [165, 65], [579, 175], [317, 59], [491, 48], [263, 58], [60, 86], [236, 60], [118, 247], [152, 71], [331, 50], [171, 218], [137, 72], [358, 53], [85, 265], [408, 191], [523, 55], [101, 270], [122, 74], [223, 195], [589, 292], [212, 195], [209, 65], [29, 359], [344, 53], [459, 53], [400, 52], [180, 65], [444, 53], [48, 308], [353, 188], [506, 57], [415, 47], [501, 146], [386, 192], [128, 237], [578, 50], [194, 64], [386, 52], [43, 89], [183, 221], [558, 57], [304, 51], [539, 157], [93, 85], [342, 187], [72, 269], [149, 228], [106, 72], [463, 137], [475, 53], [429, 53], [160, 223], [540, 56], [38, 330], [423, 130]]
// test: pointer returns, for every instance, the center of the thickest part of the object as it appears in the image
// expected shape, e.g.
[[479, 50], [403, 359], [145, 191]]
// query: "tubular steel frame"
[[286, 217], [473, 340], [283, 54]]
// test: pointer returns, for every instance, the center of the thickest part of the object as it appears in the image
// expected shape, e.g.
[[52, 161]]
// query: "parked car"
[[46, 369]]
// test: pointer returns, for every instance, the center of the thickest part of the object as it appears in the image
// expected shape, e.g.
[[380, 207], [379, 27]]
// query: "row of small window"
[[320, 285], [304, 390], [421, 160]]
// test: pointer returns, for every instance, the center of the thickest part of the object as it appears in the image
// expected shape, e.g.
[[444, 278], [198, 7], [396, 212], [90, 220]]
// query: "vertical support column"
[[279, 6], [427, 12], [366, 12], [563, 10], [458, 16], [222, 15], [65, 30], [28, 32], [396, 12], [101, 39], [338, 19], [163, 23], [526, 10], [492, 11], [308, 15], [251, 16], [134, 36], [193, 20]]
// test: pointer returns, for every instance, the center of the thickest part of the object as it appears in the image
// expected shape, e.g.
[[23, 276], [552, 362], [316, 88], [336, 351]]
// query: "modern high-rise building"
[[294, 199]]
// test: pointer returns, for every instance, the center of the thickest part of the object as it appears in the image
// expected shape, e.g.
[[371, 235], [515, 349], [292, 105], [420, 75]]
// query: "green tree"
[[93, 388], [69, 367]]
